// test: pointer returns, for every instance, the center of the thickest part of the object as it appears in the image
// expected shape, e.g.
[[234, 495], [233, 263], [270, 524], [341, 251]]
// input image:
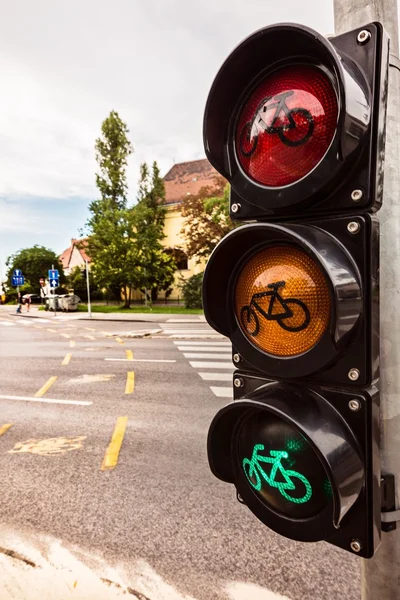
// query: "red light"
[[287, 125]]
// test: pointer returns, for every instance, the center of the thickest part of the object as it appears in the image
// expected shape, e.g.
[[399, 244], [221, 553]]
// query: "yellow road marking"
[[90, 337], [130, 382], [118, 339], [129, 354], [72, 343], [66, 335], [49, 446], [5, 428], [111, 456], [52, 330], [38, 327], [46, 387], [106, 333], [67, 358]]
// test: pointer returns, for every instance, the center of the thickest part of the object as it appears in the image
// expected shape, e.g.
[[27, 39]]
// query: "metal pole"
[[380, 575], [88, 289], [54, 296]]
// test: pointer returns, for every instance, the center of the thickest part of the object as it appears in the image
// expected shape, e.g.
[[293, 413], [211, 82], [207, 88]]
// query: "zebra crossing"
[[188, 329], [213, 363]]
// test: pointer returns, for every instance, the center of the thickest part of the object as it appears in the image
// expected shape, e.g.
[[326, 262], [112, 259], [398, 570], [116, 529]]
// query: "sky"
[[65, 65]]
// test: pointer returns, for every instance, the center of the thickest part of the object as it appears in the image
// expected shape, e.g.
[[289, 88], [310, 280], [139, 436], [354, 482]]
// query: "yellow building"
[[184, 179]]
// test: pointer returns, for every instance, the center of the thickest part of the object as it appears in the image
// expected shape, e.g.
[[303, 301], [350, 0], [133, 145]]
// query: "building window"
[[180, 258]]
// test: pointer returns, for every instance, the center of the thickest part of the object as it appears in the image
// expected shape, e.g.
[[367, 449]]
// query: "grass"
[[169, 310]]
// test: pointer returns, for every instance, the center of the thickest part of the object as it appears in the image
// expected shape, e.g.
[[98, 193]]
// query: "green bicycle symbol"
[[253, 470]]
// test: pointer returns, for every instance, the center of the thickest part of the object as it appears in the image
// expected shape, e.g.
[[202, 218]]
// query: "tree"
[[77, 281], [206, 219], [112, 242], [34, 263], [157, 267]]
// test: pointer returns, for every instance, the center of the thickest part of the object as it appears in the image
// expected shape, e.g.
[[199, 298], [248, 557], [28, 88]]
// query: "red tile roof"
[[65, 257], [188, 178]]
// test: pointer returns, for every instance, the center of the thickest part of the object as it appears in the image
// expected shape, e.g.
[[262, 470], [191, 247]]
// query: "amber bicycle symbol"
[[280, 106], [251, 321]]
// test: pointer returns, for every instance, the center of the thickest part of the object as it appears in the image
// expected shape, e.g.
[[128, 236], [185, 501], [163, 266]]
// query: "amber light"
[[287, 125], [282, 301]]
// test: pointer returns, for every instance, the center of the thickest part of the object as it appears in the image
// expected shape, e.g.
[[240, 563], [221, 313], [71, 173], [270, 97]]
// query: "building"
[[182, 180], [74, 256]]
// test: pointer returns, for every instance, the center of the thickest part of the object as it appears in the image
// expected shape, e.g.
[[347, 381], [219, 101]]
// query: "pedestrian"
[[28, 301]]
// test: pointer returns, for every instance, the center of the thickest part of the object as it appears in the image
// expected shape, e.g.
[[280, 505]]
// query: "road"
[[147, 516]]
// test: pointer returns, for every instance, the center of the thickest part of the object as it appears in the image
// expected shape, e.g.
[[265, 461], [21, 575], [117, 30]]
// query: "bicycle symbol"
[[254, 472], [258, 120], [251, 322]]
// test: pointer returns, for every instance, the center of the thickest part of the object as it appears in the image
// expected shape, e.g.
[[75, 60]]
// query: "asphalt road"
[[158, 520]]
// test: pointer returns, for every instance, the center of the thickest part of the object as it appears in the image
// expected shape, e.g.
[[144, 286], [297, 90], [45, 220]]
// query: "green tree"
[[112, 241], [157, 267], [77, 282], [192, 291], [206, 219], [34, 263]]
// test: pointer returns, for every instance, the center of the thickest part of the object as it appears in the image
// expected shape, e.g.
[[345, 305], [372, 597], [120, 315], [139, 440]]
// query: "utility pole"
[[88, 289], [380, 575]]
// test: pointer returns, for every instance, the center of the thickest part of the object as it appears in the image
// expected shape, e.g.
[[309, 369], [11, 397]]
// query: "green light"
[[254, 471]]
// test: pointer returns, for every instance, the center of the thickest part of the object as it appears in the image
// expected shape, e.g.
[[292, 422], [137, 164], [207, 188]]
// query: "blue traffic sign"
[[53, 274], [16, 281], [53, 282], [17, 273]]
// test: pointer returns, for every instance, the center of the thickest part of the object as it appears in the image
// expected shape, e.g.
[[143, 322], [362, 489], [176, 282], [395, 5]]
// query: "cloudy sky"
[[65, 65]]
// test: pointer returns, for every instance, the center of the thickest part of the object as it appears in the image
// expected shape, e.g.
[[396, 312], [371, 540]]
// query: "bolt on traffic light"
[[296, 124]]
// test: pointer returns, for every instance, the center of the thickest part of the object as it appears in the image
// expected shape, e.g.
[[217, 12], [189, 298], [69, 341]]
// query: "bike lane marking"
[[72, 343], [119, 340], [112, 453], [89, 337], [129, 354], [67, 359], [66, 335], [5, 428], [130, 382], [46, 386]]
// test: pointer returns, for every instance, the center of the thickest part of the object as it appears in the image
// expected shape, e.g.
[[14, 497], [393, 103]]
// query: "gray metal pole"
[[88, 289], [381, 574]]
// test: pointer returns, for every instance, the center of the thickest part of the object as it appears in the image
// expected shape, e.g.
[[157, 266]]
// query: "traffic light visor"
[[286, 125], [282, 301]]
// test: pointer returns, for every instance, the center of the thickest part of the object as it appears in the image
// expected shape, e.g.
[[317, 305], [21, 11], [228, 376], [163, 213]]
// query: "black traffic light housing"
[[350, 175], [326, 395], [350, 264], [339, 427]]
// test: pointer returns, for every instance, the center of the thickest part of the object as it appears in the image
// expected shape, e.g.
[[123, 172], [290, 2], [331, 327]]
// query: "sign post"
[[53, 277], [17, 280]]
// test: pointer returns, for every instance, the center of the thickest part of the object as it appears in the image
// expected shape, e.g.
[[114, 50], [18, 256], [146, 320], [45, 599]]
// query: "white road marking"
[[7, 324], [212, 365], [216, 376], [180, 321], [203, 330], [210, 336], [222, 392], [152, 360], [207, 348], [208, 344], [207, 355], [46, 400]]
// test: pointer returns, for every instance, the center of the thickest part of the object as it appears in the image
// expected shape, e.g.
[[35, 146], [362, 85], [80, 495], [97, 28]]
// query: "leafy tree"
[[157, 267], [112, 242], [77, 281], [34, 263], [206, 218], [192, 291]]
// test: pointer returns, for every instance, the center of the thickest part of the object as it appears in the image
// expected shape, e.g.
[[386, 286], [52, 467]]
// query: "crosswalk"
[[190, 329], [213, 363]]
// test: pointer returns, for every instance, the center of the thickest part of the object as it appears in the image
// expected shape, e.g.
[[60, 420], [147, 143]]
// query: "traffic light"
[[296, 124]]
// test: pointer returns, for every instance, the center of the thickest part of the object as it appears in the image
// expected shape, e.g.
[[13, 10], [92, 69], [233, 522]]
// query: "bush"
[[191, 291]]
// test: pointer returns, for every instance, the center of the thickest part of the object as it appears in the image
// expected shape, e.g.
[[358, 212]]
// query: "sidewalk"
[[123, 317]]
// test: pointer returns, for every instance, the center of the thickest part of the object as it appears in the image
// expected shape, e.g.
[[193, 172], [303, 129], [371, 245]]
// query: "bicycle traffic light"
[[296, 124]]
